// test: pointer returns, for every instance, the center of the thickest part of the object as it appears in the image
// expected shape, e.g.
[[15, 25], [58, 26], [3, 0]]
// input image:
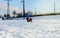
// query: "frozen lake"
[[40, 27]]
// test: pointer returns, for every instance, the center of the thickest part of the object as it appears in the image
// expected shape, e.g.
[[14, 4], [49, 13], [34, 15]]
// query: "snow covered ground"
[[40, 27]]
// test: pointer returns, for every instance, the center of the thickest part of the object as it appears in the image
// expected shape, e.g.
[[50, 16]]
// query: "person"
[[30, 19], [27, 16]]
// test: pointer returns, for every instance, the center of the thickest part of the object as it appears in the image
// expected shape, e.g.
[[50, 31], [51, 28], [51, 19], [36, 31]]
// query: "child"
[[30, 19]]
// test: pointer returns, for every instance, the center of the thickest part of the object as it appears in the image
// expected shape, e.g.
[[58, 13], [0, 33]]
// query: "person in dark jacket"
[[27, 16]]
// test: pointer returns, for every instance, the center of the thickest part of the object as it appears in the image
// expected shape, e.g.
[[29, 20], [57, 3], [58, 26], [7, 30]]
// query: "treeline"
[[14, 15], [18, 15], [47, 14]]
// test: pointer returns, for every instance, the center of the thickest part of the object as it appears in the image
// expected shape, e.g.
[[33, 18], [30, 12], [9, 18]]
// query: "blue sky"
[[42, 6]]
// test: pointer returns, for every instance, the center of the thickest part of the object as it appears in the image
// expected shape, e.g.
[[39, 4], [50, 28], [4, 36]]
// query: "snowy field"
[[40, 27]]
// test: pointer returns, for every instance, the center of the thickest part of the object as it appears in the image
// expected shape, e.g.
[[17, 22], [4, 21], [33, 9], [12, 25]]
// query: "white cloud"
[[3, 9], [16, 9]]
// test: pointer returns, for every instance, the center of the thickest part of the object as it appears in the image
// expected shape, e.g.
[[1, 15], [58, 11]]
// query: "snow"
[[40, 27]]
